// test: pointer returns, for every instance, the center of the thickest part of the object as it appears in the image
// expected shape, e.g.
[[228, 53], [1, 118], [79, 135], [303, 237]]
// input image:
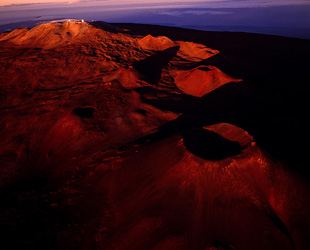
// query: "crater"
[[209, 145], [69, 35], [84, 112], [204, 68]]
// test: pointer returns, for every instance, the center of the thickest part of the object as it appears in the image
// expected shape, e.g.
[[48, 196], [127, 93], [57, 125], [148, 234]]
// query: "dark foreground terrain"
[[145, 137]]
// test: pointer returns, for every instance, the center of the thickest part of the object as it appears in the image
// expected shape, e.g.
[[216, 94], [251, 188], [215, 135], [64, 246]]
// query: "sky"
[[217, 3], [260, 16]]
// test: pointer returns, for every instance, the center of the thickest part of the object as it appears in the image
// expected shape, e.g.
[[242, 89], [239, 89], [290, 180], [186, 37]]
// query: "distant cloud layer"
[[178, 13], [195, 3]]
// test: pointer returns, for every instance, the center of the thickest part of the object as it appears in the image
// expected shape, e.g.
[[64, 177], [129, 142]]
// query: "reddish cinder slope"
[[201, 200], [195, 52], [52, 35], [112, 140], [187, 50], [81, 80], [156, 43], [202, 80]]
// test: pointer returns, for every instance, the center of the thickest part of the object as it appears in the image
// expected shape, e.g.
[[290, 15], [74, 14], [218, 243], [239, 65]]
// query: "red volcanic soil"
[[147, 137], [206, 79]]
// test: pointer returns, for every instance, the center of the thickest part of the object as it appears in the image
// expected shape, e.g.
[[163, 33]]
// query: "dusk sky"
[[262, 16], [213, 3]]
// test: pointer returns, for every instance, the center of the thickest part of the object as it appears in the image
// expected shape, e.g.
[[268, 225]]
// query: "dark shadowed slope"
[[148, 137]]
